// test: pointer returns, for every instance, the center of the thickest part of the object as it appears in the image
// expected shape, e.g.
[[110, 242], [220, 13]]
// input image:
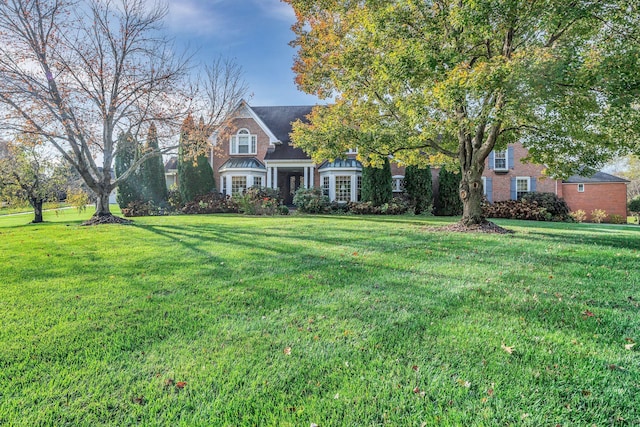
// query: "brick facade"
[[610, 197]]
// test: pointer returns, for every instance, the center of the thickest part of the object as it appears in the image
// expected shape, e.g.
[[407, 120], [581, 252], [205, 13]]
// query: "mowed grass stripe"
[[328, 320]]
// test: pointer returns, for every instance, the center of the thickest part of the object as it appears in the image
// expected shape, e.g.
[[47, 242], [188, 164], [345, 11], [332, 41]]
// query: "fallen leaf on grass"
[[629, 346], [287, 351], [138, 400], [181, 384], [415, 368], [490, 392], [508, 349], [588, 313]]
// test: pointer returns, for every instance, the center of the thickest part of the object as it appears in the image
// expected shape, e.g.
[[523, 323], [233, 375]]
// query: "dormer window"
[[243, 143], [352, 151], [500, 161]]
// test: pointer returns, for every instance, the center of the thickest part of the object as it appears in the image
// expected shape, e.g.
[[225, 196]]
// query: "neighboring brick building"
[[507, 177]]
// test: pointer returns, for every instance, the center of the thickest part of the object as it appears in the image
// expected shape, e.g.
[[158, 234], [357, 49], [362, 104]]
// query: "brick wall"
[[609, 196], [223, 146]]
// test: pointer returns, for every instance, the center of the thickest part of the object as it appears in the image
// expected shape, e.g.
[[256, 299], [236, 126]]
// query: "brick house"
[[257, 150], [507, 177]]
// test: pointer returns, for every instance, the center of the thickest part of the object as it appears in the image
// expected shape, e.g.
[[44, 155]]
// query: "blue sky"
[[255, 33]]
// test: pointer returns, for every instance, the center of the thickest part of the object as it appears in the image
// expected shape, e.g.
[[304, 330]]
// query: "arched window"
[[243, 143]]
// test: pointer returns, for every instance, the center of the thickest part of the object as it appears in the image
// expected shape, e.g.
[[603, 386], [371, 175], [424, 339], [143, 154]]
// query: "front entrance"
[[289, 182]]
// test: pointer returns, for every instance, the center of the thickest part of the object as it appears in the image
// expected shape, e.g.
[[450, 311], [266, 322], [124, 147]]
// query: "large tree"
[[85, 72], [195, 176], [416, 78]]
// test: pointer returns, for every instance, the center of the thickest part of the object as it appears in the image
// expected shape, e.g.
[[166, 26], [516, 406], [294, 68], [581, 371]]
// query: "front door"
[[292, 181]]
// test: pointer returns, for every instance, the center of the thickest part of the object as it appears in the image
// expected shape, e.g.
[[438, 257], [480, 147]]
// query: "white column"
[[228, 181], [354, 190], [249, 181], [269, 177], [332, 187], [275, 177], [306, 177], [312, 176]]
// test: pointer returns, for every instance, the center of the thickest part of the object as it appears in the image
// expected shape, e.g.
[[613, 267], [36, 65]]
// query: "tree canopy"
[[425, 79]]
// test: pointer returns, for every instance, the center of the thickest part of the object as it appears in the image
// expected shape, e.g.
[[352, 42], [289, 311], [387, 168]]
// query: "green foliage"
[[130, 188], [449, 202], [259, 201], [419, 190], [617, 219], [211, 203], [517, 209], [153, 180], [377, 186], [78, 199], [397, 206], [554, 205], [311, 200], [195, 176], [634, 205]]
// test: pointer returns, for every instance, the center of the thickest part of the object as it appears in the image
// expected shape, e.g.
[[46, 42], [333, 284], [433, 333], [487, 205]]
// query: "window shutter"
[[489, 189], [491, 157], [253, 144], [514, 193], [234, 144], [510, 157], [532, 180]]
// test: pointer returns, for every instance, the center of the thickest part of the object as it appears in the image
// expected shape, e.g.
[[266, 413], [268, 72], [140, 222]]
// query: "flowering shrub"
[[598, 215], [311, 200], [579, 215], [211, 203]]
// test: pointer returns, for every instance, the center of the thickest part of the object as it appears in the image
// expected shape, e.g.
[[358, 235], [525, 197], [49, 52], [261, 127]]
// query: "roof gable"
[[598, 177]]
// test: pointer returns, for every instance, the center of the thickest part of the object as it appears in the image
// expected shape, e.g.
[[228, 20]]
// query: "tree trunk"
[[37, 210], [102, 205], [471, 195]]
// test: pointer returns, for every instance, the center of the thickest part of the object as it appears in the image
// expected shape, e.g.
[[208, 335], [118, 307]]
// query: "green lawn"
[[232, 320]]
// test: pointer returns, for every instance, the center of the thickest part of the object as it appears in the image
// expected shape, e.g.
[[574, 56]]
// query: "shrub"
[[174, 199], [418, 187], [211, 203], [397, 206], [311, 200], [138, 208], [516, 209], [555, 205], [283, 210], [259, 201], [377, 187], [634, 205], [449, 202], [598, 215], [617, 219], [579, 215]]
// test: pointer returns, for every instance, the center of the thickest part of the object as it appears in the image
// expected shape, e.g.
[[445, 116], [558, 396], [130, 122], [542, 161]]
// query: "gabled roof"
[[172, 164], [242, 163], [598, 177], [279, 120]]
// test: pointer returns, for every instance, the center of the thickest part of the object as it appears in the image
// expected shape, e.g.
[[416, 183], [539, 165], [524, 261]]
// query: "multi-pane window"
[[398, 184], [343, 188], [500, 160], [522, 186], [243, 143], [581, 188], [325, 185], [257, 181], [238, 184], [359, 187]]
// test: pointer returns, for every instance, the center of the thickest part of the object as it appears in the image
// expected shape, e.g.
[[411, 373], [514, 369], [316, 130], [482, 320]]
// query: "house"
[[257, 150], [508, 177]]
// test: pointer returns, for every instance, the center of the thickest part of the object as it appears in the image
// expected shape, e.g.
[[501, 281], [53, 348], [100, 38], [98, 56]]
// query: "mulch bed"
[[106, 219], [486, 227]]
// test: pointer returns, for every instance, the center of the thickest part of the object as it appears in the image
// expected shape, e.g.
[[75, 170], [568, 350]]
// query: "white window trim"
[[252, 150], [226, 177], [484, 185], [580, 188], [523, 178], [334, 172], [397, 183], [506, 160]]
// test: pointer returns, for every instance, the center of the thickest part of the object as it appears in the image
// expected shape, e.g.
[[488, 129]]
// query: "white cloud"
[[200, 17], [276, 9]]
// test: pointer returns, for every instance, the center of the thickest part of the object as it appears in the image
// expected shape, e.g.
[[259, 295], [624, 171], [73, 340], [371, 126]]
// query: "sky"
[[254, 33]]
